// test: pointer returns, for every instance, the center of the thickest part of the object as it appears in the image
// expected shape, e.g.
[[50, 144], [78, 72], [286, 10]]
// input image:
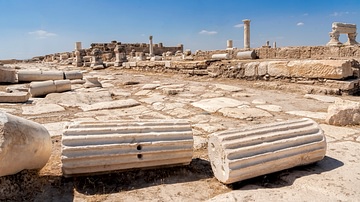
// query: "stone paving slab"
[[309, 114], [244, 113], [214, 104], [110, 105], [42, 109]]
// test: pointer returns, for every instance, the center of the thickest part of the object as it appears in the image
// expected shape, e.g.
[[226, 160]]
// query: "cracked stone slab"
[[244, 113], [309, 114], [153, 98], [214, 104], [41, 109], [322, 98], [110, 105], [271, 108], [338, 133], [228, 88], [150, 86]]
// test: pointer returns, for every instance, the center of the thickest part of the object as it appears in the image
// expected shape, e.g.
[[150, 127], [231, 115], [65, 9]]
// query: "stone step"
[[241, 154], [97, 147]]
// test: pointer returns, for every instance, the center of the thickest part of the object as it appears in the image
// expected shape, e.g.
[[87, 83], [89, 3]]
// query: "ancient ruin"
[[122, 119], [342, 28]]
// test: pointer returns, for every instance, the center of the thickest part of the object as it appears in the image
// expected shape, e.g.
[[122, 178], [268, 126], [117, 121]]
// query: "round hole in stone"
[[139, 147], [139, 156], [212, 146]]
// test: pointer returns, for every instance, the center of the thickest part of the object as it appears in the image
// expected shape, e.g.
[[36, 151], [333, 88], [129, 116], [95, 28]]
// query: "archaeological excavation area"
[[148, 122]]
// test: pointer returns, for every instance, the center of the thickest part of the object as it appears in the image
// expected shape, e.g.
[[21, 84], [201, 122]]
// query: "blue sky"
[[40, 27]]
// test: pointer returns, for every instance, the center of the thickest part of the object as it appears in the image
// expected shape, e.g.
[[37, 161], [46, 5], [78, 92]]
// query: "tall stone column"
[[151, 48], [77, 60], [351, 39], [246, 34]]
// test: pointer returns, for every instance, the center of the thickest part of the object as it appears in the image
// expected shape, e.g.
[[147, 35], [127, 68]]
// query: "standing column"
[[78, 59], [246, 34], [229, 44], [151, 48]]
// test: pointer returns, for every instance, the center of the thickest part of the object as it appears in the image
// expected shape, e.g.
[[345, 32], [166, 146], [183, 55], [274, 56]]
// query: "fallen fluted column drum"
[[38, 75], [24, 144], [236, 155], [97, 147]]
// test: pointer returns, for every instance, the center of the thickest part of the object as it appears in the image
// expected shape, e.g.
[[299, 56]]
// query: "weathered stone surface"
[[343, 112], [7, 75], [42, 109], [278, 69], [150, 86], [55, 129], [110, 105], [322, 98], [214, 104], [329, 69], [14, 97], [251, 69], [228, 88], [221, 56], [338, 133], [245, 55], [240, 154], [309, 114], [259, 102], [271, 108], [244, 113], [91, 82], [23, 144], [91, 147], [17, 88]]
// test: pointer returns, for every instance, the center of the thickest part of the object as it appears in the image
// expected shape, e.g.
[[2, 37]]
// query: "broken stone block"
[[91, 82], [240, 154], [96, 147], [7, 75], [24, 144], [14, 97], [34, 75], [343, 112]]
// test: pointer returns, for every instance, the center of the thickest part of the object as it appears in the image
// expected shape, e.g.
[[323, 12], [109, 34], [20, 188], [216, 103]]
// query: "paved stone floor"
[[210, 105]]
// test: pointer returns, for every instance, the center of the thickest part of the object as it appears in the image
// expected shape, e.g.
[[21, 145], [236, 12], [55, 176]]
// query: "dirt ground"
[[335, 178]]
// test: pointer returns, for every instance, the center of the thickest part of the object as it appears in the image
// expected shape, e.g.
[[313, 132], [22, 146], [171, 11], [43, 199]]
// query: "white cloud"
[[305, 14], [239, 25], [207, 32], [300, 24], [42, 34], [336, 14]]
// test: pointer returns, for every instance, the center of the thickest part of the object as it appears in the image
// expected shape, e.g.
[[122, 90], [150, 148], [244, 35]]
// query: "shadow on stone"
[[136, 179], [288, 176]]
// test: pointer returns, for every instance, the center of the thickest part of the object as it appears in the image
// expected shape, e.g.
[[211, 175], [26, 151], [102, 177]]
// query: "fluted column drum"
[[93, 147], [241, 154]]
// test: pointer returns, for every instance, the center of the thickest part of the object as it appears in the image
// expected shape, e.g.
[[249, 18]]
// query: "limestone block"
[[343, 112], [221, 56], [73, 75], [343, 85], [344, 28], [241, 154], [32, 75], [93, 147], [7, 75], [23, 144], [251, 69], [91, 82], [246, 55], [110, 105], [14, 97], [328, 69], [17, 88], [263, 68], [278, 69]]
